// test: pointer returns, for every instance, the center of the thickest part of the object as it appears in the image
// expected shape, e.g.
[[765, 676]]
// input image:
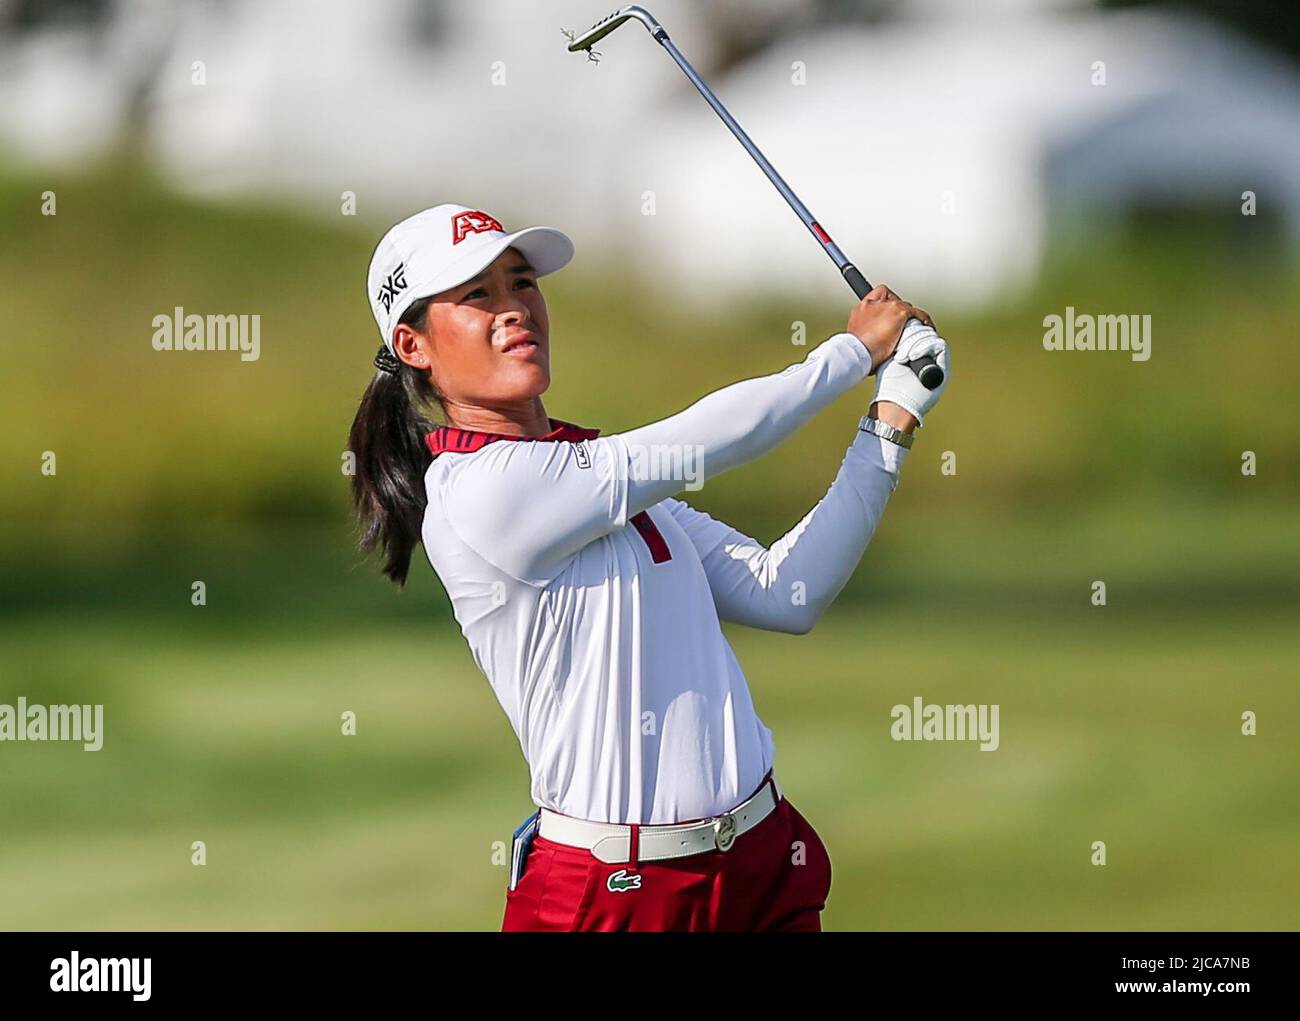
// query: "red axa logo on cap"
[[473, 222]]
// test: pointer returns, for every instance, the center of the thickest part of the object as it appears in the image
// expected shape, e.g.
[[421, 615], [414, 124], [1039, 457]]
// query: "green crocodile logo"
[[621, 882]]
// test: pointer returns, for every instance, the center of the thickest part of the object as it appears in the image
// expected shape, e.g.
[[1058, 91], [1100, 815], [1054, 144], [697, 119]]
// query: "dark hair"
[[387, 440]]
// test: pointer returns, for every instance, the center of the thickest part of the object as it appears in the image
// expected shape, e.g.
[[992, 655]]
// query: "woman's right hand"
[[878, 319]]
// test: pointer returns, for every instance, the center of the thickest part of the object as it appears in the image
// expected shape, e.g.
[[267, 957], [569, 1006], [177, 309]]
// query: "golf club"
[[926, 369]]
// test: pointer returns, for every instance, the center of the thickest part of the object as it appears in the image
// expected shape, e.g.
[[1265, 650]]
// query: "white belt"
[[612, 842]]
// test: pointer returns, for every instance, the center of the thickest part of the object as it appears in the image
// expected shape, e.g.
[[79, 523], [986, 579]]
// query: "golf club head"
[[606, 25]]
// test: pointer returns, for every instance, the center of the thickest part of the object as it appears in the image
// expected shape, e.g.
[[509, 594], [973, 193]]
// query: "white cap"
[[444, 246]]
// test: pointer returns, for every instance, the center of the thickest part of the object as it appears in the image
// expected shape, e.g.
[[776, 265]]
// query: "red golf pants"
[[775, 877]]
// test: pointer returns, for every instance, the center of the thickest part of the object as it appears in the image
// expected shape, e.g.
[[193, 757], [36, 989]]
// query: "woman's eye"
[[479, 292]]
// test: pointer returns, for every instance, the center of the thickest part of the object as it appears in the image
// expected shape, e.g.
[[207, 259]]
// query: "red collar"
[[448, 437]]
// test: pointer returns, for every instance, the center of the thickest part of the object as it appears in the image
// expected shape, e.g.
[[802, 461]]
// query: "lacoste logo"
[[393, 285], [621, 882], [580, 452]]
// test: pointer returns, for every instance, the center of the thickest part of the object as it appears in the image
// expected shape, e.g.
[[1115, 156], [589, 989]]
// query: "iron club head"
[[606, 25]]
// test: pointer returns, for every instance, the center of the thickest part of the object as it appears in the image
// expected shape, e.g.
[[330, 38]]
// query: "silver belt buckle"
[[724, 831]]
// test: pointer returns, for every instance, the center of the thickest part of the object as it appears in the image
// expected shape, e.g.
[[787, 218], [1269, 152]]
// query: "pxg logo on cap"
[[393, 285]]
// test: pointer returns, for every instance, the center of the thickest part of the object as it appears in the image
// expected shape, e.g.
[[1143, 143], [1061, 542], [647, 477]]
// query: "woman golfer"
[[591, 596]]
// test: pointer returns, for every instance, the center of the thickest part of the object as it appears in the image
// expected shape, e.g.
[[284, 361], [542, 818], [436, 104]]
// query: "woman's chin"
[[529, 380]]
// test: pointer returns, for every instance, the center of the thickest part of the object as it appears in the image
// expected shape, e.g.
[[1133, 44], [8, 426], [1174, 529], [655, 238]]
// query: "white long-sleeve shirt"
[[591, 596]]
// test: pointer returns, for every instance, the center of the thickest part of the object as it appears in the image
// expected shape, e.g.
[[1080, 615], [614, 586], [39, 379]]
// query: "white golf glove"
[[898, 384]]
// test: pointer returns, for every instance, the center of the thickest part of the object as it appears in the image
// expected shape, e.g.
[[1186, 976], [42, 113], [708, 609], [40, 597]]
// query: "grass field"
[[1118, 723]]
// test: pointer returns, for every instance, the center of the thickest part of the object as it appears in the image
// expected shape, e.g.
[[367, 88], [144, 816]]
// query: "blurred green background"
[[1119, 724]]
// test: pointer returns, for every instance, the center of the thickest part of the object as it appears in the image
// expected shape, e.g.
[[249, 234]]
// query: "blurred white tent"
[[935, 148], [936, 153]]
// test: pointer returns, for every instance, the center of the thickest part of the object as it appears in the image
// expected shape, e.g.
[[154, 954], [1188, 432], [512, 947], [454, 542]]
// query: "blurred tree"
[[1275, 22], [22, 15], [106, 26]]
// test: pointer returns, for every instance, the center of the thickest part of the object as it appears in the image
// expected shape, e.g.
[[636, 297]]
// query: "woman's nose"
[[511, 305]]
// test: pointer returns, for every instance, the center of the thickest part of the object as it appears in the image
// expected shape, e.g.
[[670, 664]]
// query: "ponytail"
[[387, 440]]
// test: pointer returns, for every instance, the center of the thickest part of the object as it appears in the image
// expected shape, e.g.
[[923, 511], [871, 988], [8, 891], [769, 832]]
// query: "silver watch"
[[885, 431]]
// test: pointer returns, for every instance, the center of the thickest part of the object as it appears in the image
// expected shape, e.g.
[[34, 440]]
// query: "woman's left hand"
[[897, 384]]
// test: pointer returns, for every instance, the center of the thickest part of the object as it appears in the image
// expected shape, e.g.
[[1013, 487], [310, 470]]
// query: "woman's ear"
[[411, 347]]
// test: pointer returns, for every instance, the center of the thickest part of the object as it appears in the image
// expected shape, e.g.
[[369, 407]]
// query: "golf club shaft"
[[926, 369]]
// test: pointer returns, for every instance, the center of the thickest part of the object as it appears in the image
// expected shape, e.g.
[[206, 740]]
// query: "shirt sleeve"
[[788, 586], [527, 508]]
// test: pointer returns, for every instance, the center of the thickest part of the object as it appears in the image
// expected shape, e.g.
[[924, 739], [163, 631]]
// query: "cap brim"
[[545, 248]]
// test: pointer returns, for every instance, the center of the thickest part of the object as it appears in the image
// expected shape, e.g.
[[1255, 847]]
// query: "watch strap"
[[885, 431]]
